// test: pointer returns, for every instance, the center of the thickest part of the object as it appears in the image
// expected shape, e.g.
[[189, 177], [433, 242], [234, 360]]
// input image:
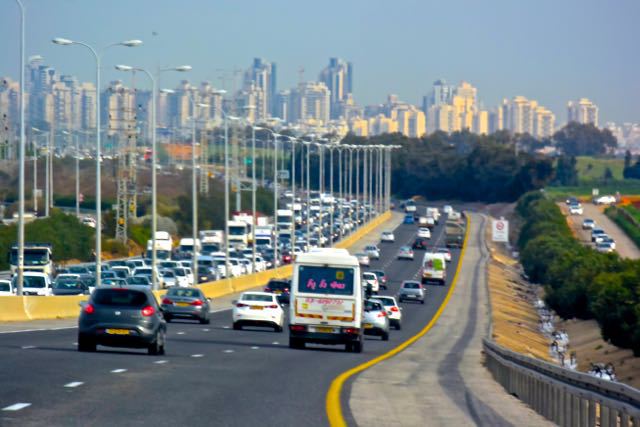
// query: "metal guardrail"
[[566, 397]]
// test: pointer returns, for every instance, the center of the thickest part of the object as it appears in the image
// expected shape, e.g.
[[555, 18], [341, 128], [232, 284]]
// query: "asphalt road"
[[210, 375]]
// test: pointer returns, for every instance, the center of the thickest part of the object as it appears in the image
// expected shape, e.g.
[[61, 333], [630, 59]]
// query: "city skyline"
[[520, 64]]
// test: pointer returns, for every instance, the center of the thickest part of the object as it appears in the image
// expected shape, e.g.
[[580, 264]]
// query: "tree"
[[608, 175], [627, 159], [566, 172], [577, 139]]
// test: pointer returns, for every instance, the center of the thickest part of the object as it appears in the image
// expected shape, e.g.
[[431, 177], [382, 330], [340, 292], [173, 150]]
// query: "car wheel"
[[398, 326], [157, 346], [385, 336], [167, 318], [357, 346], [237, 326], [422, 302], [86, 344], [296, 343], [205, 321], [277, 328]]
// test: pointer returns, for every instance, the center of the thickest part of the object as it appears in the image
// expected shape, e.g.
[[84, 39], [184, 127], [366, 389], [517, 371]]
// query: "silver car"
[[372, 251], [363, 259], [376, 320], [411, 290]]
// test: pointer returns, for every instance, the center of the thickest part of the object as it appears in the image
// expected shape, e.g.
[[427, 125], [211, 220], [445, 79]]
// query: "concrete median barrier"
[[15, 309]]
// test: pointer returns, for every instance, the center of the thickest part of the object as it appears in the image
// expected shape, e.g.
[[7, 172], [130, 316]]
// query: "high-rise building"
[[521, 115], [582, 111], [382, 124], [338, 78], [261, 77], [310, 102], [118, 108], [411, 121], [440, 94], [283, 105], [88, 106], [254, 100], [9, 100]]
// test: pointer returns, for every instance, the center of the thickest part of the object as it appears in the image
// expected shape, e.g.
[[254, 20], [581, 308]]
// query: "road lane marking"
[[197, 355], [275, 343], [255, 348], [38, 330], [206, 330], [160, 362], [16, 407], [228, 351], [118, 371], [226, 327], [28, 347], [74, 384], [332, 401], [180, 333]]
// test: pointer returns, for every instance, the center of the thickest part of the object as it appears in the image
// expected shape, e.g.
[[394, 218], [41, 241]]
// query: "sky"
[[552, 51]]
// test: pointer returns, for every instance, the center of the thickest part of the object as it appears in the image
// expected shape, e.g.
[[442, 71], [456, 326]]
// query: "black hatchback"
[[122, 317], [280, 287]]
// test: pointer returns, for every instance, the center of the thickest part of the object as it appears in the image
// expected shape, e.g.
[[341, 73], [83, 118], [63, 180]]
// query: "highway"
[[210, 374]]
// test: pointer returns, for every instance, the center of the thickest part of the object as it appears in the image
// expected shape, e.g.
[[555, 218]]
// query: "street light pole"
[[330, 147], [128, 43], [253, 195], [308, 144], [154, 162], [22, 154]]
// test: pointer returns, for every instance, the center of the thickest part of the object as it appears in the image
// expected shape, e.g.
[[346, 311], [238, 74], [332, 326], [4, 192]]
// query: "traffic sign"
[[500, 230], [283, 174]]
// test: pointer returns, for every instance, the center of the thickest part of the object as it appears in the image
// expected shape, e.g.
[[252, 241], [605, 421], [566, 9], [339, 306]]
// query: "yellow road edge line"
[[333, 406]]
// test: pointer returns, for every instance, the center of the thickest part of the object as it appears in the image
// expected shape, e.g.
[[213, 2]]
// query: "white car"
[[184, 277], [67, 276], [394, 311], [372, 251], [6, 289], [169, 278], [34, 283], [89, 221], [424, 232], [387, 236], [447, 209], [605, 200], [575, 210], [371, 279], [258, 309], [588, 224]]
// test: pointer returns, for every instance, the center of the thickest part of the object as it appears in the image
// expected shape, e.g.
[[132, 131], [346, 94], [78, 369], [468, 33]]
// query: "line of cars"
[[601, 240]]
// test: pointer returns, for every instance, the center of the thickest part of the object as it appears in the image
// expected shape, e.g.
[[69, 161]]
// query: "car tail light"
[[240, 305], [267, 289], [394, 308], [89, 309], [286, 289], [298, 328], [351, 331], [382, 314], [197, 303], [272, 306], [167, 301], [148, 311]]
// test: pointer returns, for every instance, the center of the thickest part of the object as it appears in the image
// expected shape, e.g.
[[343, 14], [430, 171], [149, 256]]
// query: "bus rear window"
[[325, 280]]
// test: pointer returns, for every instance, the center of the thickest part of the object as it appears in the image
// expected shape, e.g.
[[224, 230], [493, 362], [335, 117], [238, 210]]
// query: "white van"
[[434, 268], [34, 283], [326, 300]]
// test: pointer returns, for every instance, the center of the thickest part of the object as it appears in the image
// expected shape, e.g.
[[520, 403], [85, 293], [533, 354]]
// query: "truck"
[[211, 241], [455, 230], [434, 268], [186, 247], [38, 257], [434, 213], [164, 245], [284, 219], [239, 234], [410, 206], [264, 235], [326, 301]]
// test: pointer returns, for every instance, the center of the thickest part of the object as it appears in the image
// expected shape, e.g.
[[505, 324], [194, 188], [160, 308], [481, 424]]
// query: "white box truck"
[[326, 300]]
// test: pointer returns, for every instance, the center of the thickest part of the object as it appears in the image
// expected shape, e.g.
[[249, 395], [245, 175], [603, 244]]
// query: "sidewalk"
[[218, 304], [440, 380]]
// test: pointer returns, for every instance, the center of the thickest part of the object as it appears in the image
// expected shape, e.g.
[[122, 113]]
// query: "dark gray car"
[[186, 303], [122, 317], [411, 290], [70, 287]]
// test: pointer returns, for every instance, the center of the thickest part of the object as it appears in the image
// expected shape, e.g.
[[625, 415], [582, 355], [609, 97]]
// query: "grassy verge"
[[592, 168], [623, 222], [624, 187]]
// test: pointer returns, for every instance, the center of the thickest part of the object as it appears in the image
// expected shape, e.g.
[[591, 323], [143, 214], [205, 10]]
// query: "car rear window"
[[188, 293], [254, 297], [278, 284], [372, 305], [5, 287], [120, 297], [411, 285], [385, 301]]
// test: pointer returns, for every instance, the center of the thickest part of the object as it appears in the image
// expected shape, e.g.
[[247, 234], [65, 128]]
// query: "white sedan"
[[424, 232], [6, 288], [387, 236], [394, 311], [258, 309]]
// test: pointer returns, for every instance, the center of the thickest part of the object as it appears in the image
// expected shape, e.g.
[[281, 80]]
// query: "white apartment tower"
[[582, 111]]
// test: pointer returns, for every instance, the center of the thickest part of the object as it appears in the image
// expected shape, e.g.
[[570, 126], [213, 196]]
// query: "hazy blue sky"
[[549, 50]]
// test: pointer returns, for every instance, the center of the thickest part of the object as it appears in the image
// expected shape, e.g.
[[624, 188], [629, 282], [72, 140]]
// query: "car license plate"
[[256, 307], [412, 296], [368, 326], [118, 331], [278, 292], [324, 329], [182, 304]]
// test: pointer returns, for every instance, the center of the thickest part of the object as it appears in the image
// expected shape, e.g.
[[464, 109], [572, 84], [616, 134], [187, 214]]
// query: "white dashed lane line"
[[255, 348], [180, 333], [74, 384], [118, 371], [160, 362], [275, 343], [28, 347], [206, 330], [197, 355], [16, 407], [228, 351]]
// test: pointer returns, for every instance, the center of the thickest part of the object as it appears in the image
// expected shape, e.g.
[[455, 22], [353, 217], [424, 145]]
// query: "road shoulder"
[[440, 378]]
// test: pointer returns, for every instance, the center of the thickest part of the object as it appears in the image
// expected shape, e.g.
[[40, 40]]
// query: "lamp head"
[[131, 43], [124, 68], [183, 68], [62, 41]]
